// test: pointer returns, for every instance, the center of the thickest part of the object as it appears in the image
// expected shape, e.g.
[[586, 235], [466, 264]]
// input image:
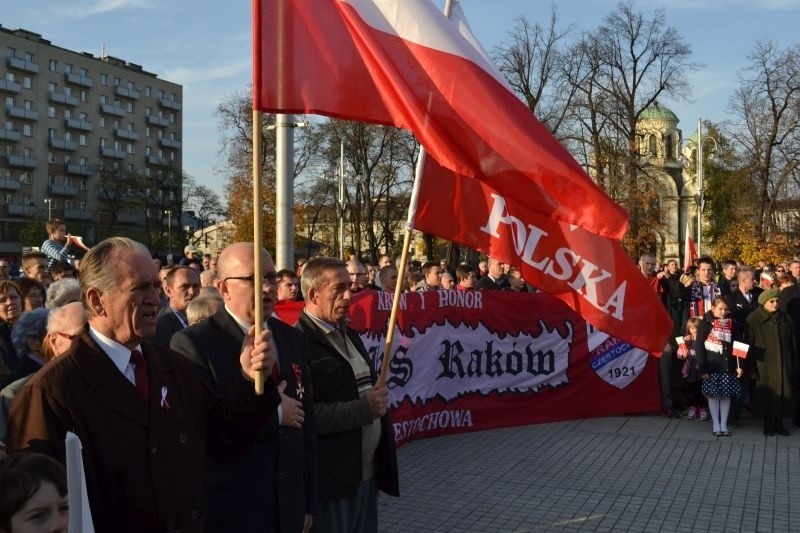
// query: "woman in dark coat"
[[772, 360]]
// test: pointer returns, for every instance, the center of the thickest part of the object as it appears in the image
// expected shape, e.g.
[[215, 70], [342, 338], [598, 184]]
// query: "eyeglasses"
[[780, 270], [269, 277]]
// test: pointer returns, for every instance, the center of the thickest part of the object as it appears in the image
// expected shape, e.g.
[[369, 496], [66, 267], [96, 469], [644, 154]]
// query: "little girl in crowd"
[[687, 353], [716, 364]]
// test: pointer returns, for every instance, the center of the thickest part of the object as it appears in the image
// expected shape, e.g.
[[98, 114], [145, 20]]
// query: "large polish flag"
[[403, 63], [592, 274]]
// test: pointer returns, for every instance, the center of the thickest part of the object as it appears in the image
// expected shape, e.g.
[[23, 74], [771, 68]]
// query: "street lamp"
[[49, 202], [700, 198]]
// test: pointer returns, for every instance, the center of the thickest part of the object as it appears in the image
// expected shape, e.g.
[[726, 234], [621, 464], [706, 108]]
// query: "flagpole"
[[401, 269], [258, 211]]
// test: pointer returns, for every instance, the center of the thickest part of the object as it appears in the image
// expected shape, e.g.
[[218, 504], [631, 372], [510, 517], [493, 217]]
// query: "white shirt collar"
[[119, 354]]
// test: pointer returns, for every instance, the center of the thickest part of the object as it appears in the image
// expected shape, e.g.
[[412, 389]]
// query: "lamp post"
[[284, 188], [168, 212], [700, 198], [49, 202]]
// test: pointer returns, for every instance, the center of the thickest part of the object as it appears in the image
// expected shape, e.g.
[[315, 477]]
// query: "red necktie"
[[140, 372]]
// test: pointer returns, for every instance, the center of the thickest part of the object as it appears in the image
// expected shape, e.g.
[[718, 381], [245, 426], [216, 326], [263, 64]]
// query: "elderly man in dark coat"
[[772, 360]]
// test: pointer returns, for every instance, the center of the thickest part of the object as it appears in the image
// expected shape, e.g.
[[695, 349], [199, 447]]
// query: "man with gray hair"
[[146, 421], [355, 435]]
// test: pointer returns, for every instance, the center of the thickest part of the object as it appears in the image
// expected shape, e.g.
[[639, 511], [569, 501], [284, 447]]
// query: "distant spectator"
[[63, 292], [467, 279], [34, 265], [447, 281], [55, 247], [358, 275], [208, 278], [32, 293], [203, 306], [413, 280], [433, 276], [61, 270], [388, 278], [494, 279], [191, 255], [288, 286]]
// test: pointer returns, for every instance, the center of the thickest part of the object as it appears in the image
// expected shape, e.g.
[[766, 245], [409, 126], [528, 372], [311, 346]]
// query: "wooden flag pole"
[[258, 268]]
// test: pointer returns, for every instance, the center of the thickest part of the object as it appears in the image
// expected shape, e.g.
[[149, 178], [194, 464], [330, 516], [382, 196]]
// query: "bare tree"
[[767, 128], [534, 61]]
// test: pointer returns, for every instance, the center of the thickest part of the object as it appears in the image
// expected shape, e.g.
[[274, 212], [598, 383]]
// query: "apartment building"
[[95, 141]]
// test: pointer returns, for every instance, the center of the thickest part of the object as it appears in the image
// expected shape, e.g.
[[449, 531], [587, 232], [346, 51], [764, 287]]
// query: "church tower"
[[660, 159]]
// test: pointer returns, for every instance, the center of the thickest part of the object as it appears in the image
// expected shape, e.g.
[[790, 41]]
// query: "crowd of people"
[[152, 366], [736, 341]]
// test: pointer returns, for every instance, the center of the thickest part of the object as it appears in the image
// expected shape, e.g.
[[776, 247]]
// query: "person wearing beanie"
[[772, 361]]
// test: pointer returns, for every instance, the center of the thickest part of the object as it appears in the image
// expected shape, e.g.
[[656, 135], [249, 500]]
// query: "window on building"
[[67, 158], [84, 72], [53, 65], [148, 91], [29, 105], [9, 101], [51, 179], [83, 160], [102, 122], [103, 99], [68, 181], [117, 81], [131, 126], [67, 113], [68, 91], [83, 115], [84, 95], [30, 57], [147, 111], [103, 142], [147, 131], [9, 198], [104, 79], [84, 184], [67, 136], [68, 68], [131, 149], [82, 141], [27, 82], [26, 177], [160, 134], [51, 133], [83, 206], [117, 145], [67, 204], [115, 124], [51, 111], [11, 52], [147, 150], [129, 107], [27, 130], [669, 147], [51, 157], [51, 87], [27, 152]]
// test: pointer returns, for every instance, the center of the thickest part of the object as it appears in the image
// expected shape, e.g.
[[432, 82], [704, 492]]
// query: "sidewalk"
[[628, 473]]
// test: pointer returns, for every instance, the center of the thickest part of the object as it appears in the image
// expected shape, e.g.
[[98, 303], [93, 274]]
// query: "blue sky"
[[205, 46]]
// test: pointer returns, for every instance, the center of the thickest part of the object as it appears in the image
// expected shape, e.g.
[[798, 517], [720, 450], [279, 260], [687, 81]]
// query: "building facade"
[[95, 141]]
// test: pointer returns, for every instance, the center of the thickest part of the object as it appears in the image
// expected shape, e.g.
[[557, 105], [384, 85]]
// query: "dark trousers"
[[357, 514]]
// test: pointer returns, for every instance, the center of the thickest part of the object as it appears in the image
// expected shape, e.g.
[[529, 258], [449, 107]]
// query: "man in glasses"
[[274, 487]]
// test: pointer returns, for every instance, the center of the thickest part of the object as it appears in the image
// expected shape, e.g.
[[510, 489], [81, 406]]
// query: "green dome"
[[658, 112]]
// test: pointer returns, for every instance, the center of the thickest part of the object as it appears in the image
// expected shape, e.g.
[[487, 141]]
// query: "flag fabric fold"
[[592, 274], [403, 63]]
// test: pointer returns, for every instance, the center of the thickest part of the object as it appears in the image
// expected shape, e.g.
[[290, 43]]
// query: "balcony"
[[130, 218], [111, 109], [63, 190], [169, 143], [77, 79], [78, 170], [22, 113], [126, 92], [61, 98], [22, 161], [111, 152], [62, 144], [77, 214], [9, 184], [157, 161], [18, 210], [10, 86], [157, 121], [78, 124], [126, 134], [10, 135], [16, 63], [170, 104]]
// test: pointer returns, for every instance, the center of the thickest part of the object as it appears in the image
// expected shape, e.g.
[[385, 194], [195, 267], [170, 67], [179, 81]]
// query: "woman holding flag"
[[772, 361], [716, 364]]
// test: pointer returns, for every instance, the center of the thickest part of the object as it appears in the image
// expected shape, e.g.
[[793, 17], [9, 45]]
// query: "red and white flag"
[[689, 250], [740, 349], [403, 63], [592, 274]]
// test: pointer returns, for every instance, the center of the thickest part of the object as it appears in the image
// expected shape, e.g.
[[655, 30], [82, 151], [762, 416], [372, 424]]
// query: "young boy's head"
[[33, 492], [57, 229]]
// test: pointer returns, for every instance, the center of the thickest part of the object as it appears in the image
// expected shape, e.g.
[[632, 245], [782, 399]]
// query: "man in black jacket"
[[274, 487], [355, 437]]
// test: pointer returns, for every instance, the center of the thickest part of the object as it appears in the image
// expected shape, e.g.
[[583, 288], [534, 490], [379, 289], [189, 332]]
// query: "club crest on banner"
[[615, 361]]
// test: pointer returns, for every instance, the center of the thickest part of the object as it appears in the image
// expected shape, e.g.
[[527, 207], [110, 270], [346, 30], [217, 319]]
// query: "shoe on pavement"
[[703, 413], [692, 413]]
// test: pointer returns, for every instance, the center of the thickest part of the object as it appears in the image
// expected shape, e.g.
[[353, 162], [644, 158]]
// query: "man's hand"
[[256, 354], [739, 372], [292, 410], [378, 401], [307, 523]]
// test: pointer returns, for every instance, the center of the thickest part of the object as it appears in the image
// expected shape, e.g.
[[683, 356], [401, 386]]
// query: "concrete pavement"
[[628, 473]]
